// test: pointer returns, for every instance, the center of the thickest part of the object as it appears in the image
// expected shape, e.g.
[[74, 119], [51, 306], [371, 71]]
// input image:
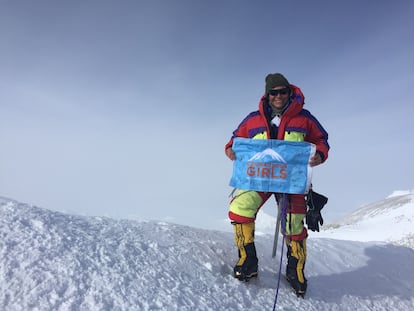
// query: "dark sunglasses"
[[281, 91]]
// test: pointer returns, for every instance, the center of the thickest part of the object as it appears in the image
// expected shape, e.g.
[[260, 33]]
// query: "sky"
[[123, 108]]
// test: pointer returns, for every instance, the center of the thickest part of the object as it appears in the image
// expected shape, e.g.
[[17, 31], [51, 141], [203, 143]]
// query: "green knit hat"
[[275, 79]]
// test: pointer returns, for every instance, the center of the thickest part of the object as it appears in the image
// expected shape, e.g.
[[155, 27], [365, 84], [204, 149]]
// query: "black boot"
[[296, 255], [247, 265]]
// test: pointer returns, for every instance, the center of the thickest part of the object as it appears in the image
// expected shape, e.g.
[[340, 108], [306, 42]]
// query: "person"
[[280, 116]]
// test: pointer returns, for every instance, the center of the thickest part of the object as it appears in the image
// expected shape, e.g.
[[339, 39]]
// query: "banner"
[[270, 165]]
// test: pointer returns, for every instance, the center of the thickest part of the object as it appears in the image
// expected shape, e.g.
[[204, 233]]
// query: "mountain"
[[54, 261], [268, 153], [389, 220]]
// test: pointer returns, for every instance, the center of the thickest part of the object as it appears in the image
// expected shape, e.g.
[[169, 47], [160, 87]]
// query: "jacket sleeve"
[[241, 131], [248, 128], [318, 136]]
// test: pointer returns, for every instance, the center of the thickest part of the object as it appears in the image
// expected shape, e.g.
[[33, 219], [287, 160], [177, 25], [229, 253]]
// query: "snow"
[[389, 220], [54, 261], [399, 193]]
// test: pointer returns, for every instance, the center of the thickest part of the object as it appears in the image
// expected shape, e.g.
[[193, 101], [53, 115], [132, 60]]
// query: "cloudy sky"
[[122, 108]]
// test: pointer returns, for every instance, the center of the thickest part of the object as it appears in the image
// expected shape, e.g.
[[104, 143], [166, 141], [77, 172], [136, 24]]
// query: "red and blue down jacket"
[[296, 124]]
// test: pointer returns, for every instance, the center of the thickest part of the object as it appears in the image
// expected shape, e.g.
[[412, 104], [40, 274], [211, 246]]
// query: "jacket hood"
[[295, 105]]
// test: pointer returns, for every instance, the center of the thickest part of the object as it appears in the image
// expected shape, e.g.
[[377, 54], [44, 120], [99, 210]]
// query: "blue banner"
[[270, 165]]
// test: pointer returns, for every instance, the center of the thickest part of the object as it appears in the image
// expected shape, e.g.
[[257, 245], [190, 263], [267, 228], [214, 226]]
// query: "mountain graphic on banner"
[[267, 153]]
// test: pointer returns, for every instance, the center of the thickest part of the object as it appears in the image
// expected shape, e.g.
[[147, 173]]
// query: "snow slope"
[[390, 220], [54, 261]]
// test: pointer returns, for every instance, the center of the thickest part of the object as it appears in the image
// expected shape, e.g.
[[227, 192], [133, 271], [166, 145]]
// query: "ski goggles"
[[277, 92]]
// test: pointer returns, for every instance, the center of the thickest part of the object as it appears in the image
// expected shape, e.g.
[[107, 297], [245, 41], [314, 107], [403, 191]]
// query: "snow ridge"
[[53, 261], [390, 220]]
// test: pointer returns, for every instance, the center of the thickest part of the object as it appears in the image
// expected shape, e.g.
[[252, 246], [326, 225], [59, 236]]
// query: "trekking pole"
[[275, 240], [278, 278], [281, 213]]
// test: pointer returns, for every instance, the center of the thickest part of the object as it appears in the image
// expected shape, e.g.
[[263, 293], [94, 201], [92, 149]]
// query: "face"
[[281, 99]]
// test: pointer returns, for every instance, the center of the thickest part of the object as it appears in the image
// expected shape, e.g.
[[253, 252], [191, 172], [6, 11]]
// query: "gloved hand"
[[315, 202], [313, 219]]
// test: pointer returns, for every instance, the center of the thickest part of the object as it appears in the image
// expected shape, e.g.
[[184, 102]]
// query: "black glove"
[[315, 202], [313, 219]]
